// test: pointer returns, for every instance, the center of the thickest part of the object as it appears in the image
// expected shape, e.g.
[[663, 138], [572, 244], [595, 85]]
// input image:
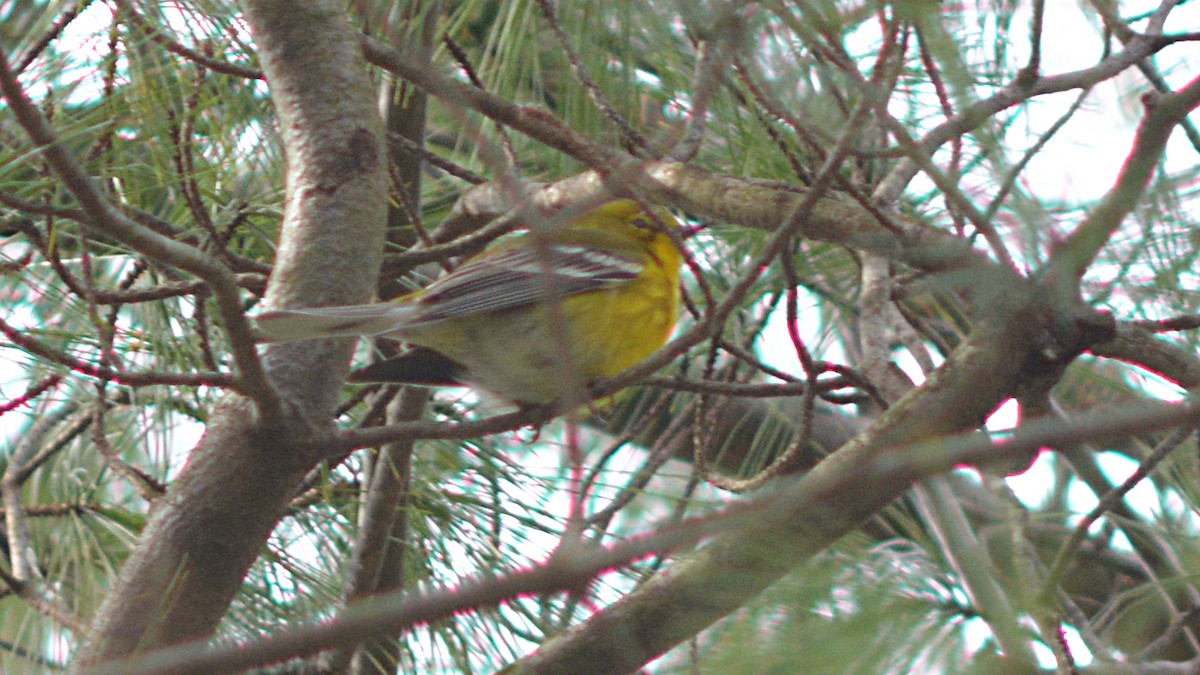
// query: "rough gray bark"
[[212, 524]]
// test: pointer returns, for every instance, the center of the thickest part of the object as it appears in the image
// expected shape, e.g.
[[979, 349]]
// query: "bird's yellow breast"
[[608, 331]]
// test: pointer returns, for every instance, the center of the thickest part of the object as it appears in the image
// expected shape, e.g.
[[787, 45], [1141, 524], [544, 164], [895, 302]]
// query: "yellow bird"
[[613, 273]]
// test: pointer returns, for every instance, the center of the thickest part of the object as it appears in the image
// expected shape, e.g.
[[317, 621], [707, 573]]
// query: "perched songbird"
[[603, 287]]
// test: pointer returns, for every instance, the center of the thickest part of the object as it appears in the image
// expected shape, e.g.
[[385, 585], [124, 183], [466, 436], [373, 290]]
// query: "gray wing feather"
[[517, 277]]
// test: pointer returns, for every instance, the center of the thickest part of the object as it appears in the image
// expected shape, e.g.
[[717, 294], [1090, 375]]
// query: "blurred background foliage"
[[162, 103]]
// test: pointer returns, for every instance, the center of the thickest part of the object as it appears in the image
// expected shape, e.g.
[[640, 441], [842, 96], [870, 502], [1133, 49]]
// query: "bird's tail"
[[311, 323]]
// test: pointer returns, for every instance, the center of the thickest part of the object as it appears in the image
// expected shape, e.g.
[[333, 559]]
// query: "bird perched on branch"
[[531, 317]]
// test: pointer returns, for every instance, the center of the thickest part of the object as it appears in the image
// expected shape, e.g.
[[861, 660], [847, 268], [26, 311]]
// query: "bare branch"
[[744, 523], [159, 35], [252, 379], [1071, 259], [135, 379]]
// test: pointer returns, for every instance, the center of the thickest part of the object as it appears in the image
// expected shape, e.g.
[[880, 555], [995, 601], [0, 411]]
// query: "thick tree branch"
[[880, 471], [1072, 258], [1136, 345], [212, 524], [838, 494]]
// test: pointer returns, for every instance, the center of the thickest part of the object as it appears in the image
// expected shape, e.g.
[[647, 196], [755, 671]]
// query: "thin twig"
[[133, 379], [635, 143], [252, 379], [1068, 549], [65, 17], [160, 37]]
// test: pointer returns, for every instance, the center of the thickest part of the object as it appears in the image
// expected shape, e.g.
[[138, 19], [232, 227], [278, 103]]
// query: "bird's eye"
[[641, 223]]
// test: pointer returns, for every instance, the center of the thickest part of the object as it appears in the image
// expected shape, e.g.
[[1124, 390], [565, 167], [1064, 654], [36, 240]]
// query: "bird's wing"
[[521, 276]]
